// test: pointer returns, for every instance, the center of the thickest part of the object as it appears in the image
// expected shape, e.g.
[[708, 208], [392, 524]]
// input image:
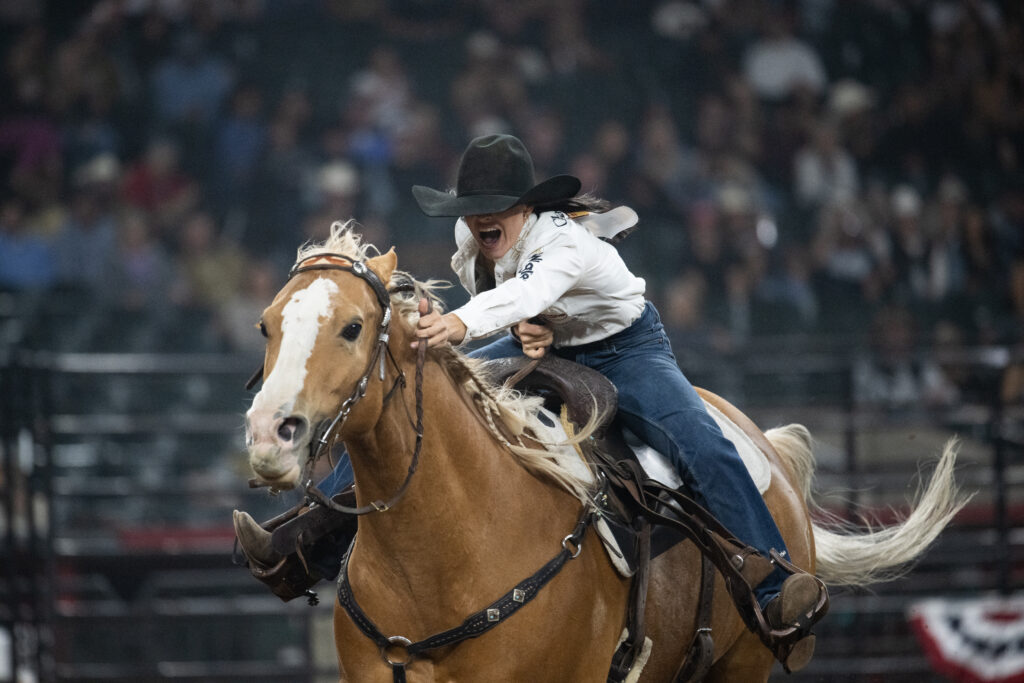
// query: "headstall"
[[381, 353]]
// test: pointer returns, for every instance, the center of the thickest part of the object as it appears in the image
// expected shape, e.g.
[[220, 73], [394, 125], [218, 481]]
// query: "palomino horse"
[[470, 564]]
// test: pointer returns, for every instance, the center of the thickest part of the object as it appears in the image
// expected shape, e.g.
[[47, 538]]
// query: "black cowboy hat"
[[495, 174]]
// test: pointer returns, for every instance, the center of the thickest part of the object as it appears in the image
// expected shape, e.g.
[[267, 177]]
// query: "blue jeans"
[[660, 406], [340, 477]]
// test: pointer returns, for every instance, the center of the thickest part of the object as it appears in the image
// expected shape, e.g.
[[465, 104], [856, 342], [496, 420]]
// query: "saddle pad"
[[654, 463]]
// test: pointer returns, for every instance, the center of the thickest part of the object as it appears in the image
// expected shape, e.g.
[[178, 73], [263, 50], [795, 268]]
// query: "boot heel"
[[799, 655]]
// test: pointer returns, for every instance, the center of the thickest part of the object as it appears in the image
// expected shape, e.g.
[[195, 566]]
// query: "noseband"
[[382, 352]]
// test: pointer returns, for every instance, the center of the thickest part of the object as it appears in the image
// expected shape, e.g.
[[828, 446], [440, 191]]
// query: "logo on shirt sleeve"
[[527, 270]]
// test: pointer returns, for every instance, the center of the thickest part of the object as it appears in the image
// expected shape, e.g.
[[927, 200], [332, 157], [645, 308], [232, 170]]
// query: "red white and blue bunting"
[[979, 640]]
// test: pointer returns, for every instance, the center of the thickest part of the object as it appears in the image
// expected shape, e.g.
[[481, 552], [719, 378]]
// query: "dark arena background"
[[831, 201]]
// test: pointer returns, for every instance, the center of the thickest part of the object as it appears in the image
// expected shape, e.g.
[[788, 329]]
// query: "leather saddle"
[[647, 516], [585, 393]]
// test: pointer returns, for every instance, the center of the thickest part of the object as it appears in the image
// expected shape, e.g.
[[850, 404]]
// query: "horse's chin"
[[286, 481], [269, 470]]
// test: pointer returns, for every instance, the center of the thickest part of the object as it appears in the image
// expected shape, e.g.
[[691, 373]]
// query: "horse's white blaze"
[[300, 325]]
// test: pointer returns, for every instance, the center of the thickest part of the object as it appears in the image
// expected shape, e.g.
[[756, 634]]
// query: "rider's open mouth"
[[489, 238]]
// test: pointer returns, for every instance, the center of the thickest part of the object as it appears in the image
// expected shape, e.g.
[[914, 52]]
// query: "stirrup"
[[792, 642], [276, 551]]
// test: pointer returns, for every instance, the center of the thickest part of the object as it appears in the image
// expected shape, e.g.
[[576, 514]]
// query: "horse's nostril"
[[291, 429]]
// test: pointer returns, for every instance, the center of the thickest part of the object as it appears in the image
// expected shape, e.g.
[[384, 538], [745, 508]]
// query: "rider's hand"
[[535, 338], [438, 329]]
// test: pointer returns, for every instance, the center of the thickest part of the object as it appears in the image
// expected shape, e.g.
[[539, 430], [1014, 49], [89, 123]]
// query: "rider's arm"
[[542, 277]]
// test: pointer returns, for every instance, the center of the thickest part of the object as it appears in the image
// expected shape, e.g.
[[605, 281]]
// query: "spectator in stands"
[[784, 299], [670, 167], [335, 197], [83, 74], [851, 108], [486, 93], [279, 202], [382, 91], [544, 131], [612, 145], [850, 262], [31, 160], [695, 337], [237, 316], [157, 185], [139, 275], [190, 89], [87, 87], [27, 261], [87, 241], [1006, 216], [211, 267], [26, 62], [894, 374], [1011, 323], [778, 63], [922, 272], [238, 146], [191, 84], [720, 158], [823, 169], [420, 153], [986, 275], [912, 133], [944, 219]]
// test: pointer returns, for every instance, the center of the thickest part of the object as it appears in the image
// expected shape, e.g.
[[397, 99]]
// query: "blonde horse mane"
[[505, 412]]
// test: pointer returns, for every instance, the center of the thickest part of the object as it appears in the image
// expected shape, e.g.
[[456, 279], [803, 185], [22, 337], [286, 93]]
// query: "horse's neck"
[[468, 504]]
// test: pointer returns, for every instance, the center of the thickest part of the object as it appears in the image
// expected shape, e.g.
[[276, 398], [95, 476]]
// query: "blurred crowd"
[[842, 170]]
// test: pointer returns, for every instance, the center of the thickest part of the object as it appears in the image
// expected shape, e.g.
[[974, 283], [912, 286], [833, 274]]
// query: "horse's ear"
[[384, 265]]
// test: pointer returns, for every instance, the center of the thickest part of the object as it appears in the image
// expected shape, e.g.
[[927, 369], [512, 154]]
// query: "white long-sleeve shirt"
[[556, 268]]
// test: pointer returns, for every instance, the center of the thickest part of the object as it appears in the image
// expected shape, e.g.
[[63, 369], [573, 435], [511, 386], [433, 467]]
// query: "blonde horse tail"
[[847, 555]]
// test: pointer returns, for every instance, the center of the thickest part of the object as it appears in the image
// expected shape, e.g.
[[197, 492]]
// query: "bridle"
[[381, 354]]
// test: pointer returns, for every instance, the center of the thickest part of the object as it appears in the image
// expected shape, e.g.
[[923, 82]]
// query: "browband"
[[347, 264]]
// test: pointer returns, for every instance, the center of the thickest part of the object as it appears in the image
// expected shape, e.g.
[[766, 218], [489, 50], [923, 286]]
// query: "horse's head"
[[323, 333]]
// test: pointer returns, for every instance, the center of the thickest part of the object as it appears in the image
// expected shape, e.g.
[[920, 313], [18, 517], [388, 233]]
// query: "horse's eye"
[[351, 331], [263, 329]]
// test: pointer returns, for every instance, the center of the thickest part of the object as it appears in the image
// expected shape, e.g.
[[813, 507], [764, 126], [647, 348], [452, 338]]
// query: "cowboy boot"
[[786, 621], [294, 551], [802, 602]]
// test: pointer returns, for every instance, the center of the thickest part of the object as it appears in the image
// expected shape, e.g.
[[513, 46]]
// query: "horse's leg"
[[671, 612], [671, 595], [672, 599], [672, 604], [746, 660]]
